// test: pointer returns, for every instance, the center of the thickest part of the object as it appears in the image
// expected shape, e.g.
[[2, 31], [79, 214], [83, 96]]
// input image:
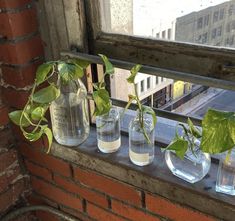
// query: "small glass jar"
[[226, 175], [108, 131], [69, 114], [193, 167], [141, 148]]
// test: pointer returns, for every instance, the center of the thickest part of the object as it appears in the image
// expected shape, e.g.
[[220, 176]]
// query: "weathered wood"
[[156, 178]]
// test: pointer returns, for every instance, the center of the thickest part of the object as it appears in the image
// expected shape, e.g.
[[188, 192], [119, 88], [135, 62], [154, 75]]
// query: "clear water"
[[108, 131], [226, 176], [192, 168], [141, 152], [69, 116]]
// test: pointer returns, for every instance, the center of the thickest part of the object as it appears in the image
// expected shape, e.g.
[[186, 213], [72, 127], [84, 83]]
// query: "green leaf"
[[218, 131], [37, 113], [42, 72], [194, 131], [15, 118], [33, 136], [180, 147], [47, 131], [109, 69], [149, 110], [81, 63], [102, 101], [134, 71], [46, 95], [69, 71]]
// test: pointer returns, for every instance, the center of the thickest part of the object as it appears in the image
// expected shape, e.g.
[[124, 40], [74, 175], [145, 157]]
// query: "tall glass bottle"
[[193, 167], [69, 114], [108, 131], [226, 175], [141, 150]]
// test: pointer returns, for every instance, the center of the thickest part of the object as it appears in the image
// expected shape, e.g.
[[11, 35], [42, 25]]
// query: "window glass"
[[148, 82], [190, 21]]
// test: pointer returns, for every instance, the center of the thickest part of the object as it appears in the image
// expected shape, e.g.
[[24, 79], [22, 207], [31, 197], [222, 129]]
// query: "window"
[[164, 34], [204, 38], [219, 31], [199, 23], [169, 33], [215, 16], [213, 33], [156, 80], [142, 86], [230, 10], [228, 28], [148, 82], [221, 14], [206, 20]]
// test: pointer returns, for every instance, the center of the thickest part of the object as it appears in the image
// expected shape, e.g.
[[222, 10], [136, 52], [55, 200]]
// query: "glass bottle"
[[226, 175], [193, 167], [141, 149], [108, 131], [69, 114]]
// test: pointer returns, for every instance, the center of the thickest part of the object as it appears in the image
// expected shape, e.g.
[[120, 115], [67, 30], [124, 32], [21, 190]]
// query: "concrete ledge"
[[155, 178]]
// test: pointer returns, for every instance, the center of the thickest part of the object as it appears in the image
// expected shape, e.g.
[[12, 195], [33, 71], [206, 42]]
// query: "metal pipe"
[[177, 75], [159, 113], [20, 211]]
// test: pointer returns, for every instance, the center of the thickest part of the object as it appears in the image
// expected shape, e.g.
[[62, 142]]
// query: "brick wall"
[[55, 182]]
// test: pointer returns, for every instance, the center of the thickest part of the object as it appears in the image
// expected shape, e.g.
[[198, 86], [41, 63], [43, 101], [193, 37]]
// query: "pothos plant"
[[142, 109], [31, 119], [181, 144], [101, 95], [218, 132]]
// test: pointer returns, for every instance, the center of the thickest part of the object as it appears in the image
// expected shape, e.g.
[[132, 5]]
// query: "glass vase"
[[193, 167], [141, 141], [225, 182], [69, 114], [108, 131]]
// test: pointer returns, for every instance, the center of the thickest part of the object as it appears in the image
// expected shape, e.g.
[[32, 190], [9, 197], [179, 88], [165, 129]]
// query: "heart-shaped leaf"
[[179, 146], [15, 118], [82, 63], [109, 69], [42, 72], [46, 95], [218, 131], [37, 113], [134, 72], [102, 101], [47, 131]]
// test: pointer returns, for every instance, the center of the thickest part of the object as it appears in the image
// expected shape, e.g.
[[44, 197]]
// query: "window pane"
[[201, 22]]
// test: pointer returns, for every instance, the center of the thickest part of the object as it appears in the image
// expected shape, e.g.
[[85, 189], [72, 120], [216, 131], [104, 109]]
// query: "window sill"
[[155, 178]]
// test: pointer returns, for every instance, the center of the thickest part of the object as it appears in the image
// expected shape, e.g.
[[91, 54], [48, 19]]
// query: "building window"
[[204, 38], [199, 39], [213, 33], [142, 86], [164, 34], [199, 23], [230, 10], [148, 82], [169, 33], [206, 20], [215, 16], [221, 14], [156, 80], [219, 31], [161, 79], [228, 27]]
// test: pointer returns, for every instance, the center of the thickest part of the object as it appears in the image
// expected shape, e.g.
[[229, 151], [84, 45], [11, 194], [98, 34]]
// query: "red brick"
[[7, 158], [131, 212], [3, 115], [9, 197], [7, 178], [101, 214], [6, 139], [166, 208], [13, 3], [13, 98], [35, 199], [45, 160], [109, 186], [55, 194], [21, 52], [20, 77], [46, 216], [18, 24], [85, 193], [38, 171]]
